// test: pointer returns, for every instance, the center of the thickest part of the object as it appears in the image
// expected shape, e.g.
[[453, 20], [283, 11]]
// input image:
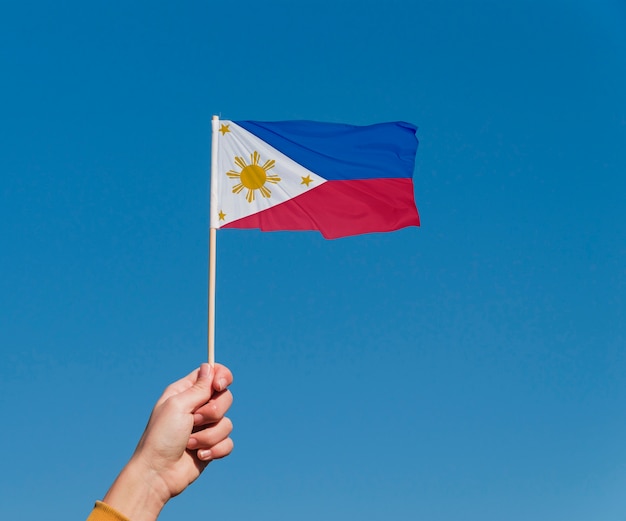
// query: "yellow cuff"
[[103, 512]]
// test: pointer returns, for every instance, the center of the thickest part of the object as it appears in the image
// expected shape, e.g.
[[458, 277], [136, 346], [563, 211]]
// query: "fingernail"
[[192, 443], [204, 454], [205, 371], [221, 384]]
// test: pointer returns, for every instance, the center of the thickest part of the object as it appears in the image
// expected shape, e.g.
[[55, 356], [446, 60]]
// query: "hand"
[[187, 430]]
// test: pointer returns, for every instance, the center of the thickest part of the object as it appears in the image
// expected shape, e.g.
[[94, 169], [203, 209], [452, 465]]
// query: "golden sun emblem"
[[253, 176]]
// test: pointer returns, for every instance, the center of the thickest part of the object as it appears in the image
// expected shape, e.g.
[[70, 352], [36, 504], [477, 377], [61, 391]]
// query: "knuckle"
[[228, 425], [213, 411], [224, 448]]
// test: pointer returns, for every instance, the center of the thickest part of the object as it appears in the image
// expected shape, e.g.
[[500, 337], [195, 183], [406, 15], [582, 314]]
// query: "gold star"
[[306, 180], [222, 215], [224, 129]]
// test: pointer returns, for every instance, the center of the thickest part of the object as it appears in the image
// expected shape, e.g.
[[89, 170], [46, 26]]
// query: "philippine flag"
[[302, 175]]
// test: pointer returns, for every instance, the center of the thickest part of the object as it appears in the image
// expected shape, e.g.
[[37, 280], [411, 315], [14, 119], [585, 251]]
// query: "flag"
[[302, 175]]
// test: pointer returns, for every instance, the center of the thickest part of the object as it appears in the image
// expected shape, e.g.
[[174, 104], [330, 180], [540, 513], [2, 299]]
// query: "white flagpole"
[[212, 242]]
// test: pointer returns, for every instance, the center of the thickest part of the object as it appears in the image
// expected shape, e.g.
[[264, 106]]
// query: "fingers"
[[199, 393], [214, 410], [221, 450], [222, 379], [209, 436], [212, 442]]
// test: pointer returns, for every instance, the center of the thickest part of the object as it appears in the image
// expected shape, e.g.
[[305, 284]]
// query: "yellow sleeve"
[[103, 512]]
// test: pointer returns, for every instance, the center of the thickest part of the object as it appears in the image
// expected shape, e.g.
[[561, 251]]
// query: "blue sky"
[[471, 369]]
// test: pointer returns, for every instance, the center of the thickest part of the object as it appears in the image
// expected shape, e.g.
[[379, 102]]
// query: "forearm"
[[137, 492]]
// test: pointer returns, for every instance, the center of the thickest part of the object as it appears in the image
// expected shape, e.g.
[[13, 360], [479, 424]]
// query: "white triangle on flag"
[[253, 176]]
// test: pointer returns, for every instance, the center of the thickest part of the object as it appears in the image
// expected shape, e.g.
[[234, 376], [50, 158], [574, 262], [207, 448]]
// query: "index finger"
[[223, 377]]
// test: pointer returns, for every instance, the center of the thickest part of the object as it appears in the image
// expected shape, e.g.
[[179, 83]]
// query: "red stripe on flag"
[[342, 208]]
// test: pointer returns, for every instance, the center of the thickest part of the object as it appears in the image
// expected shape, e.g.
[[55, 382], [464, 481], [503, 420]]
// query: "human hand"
[[186, 430]]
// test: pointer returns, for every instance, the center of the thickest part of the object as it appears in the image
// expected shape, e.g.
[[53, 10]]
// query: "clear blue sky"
[[471, 369]]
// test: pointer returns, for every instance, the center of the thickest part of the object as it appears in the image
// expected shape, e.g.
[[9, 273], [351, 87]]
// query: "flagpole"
[[212, 243], [211, 317]]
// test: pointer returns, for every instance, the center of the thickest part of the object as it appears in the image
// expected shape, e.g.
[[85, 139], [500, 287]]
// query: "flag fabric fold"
[[337, 179]]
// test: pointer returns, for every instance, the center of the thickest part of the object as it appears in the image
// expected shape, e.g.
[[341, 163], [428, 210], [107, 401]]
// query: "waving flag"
[[301, 175]]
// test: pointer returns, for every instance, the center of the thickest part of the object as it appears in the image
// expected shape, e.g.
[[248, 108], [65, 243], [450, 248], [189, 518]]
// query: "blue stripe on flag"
[[343, 152]]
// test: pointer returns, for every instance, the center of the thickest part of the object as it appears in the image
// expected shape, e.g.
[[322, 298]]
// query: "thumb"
[[200, 392]]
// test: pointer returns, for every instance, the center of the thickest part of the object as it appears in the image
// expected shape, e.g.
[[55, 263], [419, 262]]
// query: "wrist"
[[138, 492]]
